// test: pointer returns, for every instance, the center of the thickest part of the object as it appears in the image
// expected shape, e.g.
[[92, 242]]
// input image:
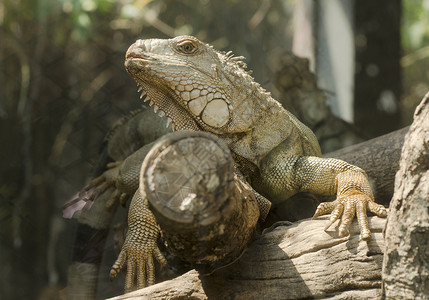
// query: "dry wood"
[[289, 262], [207, 215], [406, 259]]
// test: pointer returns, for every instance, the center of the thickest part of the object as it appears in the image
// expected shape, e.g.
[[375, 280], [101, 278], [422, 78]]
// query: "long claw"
[[335, 214], [150, 269], [95, 182], [354, 197], [348, 214], [365, 233], [113, 199], [324, 208], [119, 263], [329, 225], [377, 209], [114, 164], [160, 257], [131, 273], [141, 273], [123, 199], [105, 181], [103, 187], [347, 206]]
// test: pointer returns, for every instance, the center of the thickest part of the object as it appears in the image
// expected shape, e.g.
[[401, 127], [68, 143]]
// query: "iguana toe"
[[347, 206]]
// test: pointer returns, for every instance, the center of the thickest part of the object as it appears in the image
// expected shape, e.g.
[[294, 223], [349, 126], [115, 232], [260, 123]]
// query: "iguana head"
[[194, 85]]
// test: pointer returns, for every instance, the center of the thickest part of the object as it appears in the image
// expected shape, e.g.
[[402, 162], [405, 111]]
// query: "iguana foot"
[[139, 248], [139, 258], [354, 197], [103, 182], [347, 206]]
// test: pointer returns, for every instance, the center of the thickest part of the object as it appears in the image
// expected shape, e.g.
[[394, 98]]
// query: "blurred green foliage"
[[415, 60], [81, 14], [415, 25]]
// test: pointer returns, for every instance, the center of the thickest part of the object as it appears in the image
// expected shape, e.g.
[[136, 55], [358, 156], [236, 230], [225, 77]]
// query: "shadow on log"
[[290, 262]]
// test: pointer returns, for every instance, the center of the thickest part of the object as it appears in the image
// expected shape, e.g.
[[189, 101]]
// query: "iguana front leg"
[[108, 179], [123, 175], [283, 176], [140, 246]]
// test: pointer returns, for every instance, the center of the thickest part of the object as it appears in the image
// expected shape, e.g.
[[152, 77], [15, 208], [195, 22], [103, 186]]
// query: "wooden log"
[[206, 213], [300, 261]]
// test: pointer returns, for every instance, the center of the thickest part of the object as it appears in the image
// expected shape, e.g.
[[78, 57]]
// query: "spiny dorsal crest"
[[235, 67]]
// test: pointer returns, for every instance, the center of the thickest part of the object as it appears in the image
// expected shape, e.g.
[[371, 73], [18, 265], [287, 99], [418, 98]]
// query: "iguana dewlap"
[[199, 88]]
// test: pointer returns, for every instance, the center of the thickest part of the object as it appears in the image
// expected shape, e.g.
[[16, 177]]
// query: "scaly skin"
[[199, 88], [127, 144], [140, 246]]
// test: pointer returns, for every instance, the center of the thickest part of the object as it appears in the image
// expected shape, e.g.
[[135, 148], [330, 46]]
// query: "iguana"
[[199, 88]]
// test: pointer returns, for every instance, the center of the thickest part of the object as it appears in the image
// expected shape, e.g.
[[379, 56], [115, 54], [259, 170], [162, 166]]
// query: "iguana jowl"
[[199, 88]]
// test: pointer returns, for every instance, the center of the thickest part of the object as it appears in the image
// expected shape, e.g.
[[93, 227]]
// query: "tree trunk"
[[406, 258]]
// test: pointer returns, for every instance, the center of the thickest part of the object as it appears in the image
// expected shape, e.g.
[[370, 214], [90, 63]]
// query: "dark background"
[[63, 85]]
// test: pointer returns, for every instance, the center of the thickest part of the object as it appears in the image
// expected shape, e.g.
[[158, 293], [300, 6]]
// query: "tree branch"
[[290, 262]]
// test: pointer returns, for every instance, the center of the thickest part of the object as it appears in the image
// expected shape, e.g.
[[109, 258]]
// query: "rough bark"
[[406, 258], [207, 214], [289, 262]]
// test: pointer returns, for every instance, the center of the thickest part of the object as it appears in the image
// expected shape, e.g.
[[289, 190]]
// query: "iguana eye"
[[187, 47]]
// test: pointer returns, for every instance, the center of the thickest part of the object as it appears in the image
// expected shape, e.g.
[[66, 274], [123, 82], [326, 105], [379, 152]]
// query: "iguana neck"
[[268, 127]]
